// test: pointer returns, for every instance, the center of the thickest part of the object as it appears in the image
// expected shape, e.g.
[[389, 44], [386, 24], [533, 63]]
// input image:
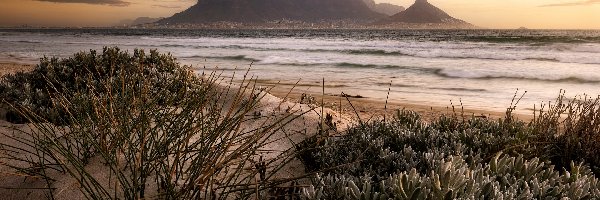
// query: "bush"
[[159, 130], [84, 71], [454, 157], [382, 148], [569, 130], [505, 177]]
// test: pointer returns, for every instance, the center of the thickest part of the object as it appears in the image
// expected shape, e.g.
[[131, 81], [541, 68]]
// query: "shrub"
[[458, 158], [84, 71], [569, 130], [159, 130], [381, 148], [505, 177]]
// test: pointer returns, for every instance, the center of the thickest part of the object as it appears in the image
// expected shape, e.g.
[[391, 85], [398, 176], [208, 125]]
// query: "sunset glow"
[[562, 14]]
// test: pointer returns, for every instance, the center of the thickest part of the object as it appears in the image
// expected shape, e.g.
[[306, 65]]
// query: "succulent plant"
[[450, 158], [505, 177]]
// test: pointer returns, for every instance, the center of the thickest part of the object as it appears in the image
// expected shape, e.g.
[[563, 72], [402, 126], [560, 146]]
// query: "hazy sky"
[[573, 14]]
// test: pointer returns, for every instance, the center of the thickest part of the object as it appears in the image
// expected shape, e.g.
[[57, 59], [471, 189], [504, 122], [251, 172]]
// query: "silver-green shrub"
[[383, 148], [505, 177], [450, 158]]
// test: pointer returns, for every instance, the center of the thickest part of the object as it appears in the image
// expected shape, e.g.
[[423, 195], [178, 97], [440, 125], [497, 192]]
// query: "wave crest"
[[487, 76]]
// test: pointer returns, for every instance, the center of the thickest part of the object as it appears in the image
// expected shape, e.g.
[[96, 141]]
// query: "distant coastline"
[[273, 25], [270, 28]]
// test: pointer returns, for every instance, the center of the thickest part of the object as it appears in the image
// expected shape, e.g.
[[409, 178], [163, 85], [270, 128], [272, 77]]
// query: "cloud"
[[578, 3], [166, 6], [170, 2], [97, 2]]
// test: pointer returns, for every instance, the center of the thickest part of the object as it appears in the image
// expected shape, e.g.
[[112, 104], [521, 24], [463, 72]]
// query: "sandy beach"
[[272, 108], [354, 105], [350, 105], [282, 99], [299, 99]]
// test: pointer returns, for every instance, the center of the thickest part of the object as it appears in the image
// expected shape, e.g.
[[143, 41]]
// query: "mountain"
[[422, 12], [259, 11], [384, 8]]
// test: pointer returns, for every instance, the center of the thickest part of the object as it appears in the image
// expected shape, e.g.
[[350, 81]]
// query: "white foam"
[[531, 75]]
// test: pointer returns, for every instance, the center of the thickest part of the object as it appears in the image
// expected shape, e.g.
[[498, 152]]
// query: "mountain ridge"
[[423, 12], [384, 8], [260, 11], [310, 14]]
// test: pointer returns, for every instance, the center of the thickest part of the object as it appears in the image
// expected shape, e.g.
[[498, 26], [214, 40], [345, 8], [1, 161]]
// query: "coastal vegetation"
[[460, 157], [155, 128], [159, 131]]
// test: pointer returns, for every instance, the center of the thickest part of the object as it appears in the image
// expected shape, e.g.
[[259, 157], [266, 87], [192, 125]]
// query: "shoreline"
[[351, 106], [371, 108]]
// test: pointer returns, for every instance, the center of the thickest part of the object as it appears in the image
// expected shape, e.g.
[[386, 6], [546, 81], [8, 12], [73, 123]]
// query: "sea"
[[480, 69]]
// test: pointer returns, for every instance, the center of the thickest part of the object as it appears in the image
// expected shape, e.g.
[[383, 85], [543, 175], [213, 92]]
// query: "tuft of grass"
[[569, 130]]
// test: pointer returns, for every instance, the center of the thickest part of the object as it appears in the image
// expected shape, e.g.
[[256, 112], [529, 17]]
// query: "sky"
[[542, 14]]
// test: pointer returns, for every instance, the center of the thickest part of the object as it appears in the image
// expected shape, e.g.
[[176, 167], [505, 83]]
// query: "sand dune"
[[269, 110]]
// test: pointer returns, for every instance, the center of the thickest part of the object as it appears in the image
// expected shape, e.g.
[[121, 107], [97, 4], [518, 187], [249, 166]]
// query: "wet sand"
[[373, 109]]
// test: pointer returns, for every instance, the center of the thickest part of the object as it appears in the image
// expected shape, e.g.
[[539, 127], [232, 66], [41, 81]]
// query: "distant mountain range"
[[365, 12], [259, 11]]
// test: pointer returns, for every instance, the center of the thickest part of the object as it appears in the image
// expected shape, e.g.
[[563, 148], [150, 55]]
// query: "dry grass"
[[181, 140]]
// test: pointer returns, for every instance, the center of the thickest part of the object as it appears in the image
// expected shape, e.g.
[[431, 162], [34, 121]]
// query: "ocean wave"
[[535, 39], [170, 45], [29, 41], [355, 65], [294, 61], [423, 53], [537, 77], [399, 85], [544, 59], [458, 89], [426, 70], [239, 58], [566, 53], [375, 52], [22, 41], [372, 66]]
